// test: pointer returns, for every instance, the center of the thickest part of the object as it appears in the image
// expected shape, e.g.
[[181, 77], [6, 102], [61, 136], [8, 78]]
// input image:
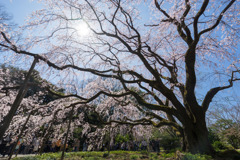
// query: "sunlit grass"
[[114, 155]]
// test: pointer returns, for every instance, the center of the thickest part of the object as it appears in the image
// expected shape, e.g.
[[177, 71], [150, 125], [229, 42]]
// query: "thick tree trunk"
[[196, 138]]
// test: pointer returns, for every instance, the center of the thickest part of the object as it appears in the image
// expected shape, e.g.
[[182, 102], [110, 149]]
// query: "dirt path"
[[20, 155]]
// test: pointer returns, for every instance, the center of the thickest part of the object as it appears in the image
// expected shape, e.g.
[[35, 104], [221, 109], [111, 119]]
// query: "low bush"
[[229, 154], [189, 156], [145, 152], [153, 156], [218, 145], [134, 156], [167, 155]]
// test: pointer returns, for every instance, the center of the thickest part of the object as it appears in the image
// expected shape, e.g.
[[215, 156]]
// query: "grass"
[[114, 155]]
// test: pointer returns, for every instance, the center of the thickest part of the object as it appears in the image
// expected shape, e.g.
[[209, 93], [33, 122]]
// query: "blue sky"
[[20, 9]]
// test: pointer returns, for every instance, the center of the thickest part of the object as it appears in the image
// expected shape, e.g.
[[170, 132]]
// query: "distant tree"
[[233, 135], [226, 122], [6, 120], [14, 78], [36, 94], [228, 131]]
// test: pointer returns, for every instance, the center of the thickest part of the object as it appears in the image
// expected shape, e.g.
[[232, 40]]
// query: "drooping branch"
[[105, 73], [145, 121], [29, 84], [87, 100], [126, 121], [100, 73], [140, 100], [51, 64]]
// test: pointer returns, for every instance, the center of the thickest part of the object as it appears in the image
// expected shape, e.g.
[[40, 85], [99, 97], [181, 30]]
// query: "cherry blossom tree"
[[159, 47]]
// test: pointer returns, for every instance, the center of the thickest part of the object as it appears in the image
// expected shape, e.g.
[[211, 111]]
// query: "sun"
[[82, 29]]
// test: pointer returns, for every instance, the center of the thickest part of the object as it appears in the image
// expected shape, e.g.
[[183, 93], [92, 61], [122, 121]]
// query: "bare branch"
[[195, 23], [218, 19], [212, 92]]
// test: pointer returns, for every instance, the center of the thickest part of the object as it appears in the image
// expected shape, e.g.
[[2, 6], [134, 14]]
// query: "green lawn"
[[114, 155]]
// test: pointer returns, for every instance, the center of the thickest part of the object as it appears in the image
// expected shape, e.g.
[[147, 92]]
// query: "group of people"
[[6, 146], [58, 145]]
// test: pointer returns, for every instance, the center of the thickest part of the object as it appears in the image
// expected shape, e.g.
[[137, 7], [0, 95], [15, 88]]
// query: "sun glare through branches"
[[81, 28]]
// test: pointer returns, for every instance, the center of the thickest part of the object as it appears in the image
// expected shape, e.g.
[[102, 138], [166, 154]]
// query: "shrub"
[[92, 158], [218, 145], [145, 152], [134, 157], [167, 155], [120, 139], [229, 154], [189, 156], [153, 156], [105, 155], [166, 140]]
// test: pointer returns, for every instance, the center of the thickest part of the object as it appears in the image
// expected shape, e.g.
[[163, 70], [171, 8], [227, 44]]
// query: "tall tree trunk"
[[66, 137], [109, 139], [20, 135], [45, 138], [21, 93], [196, 137]]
